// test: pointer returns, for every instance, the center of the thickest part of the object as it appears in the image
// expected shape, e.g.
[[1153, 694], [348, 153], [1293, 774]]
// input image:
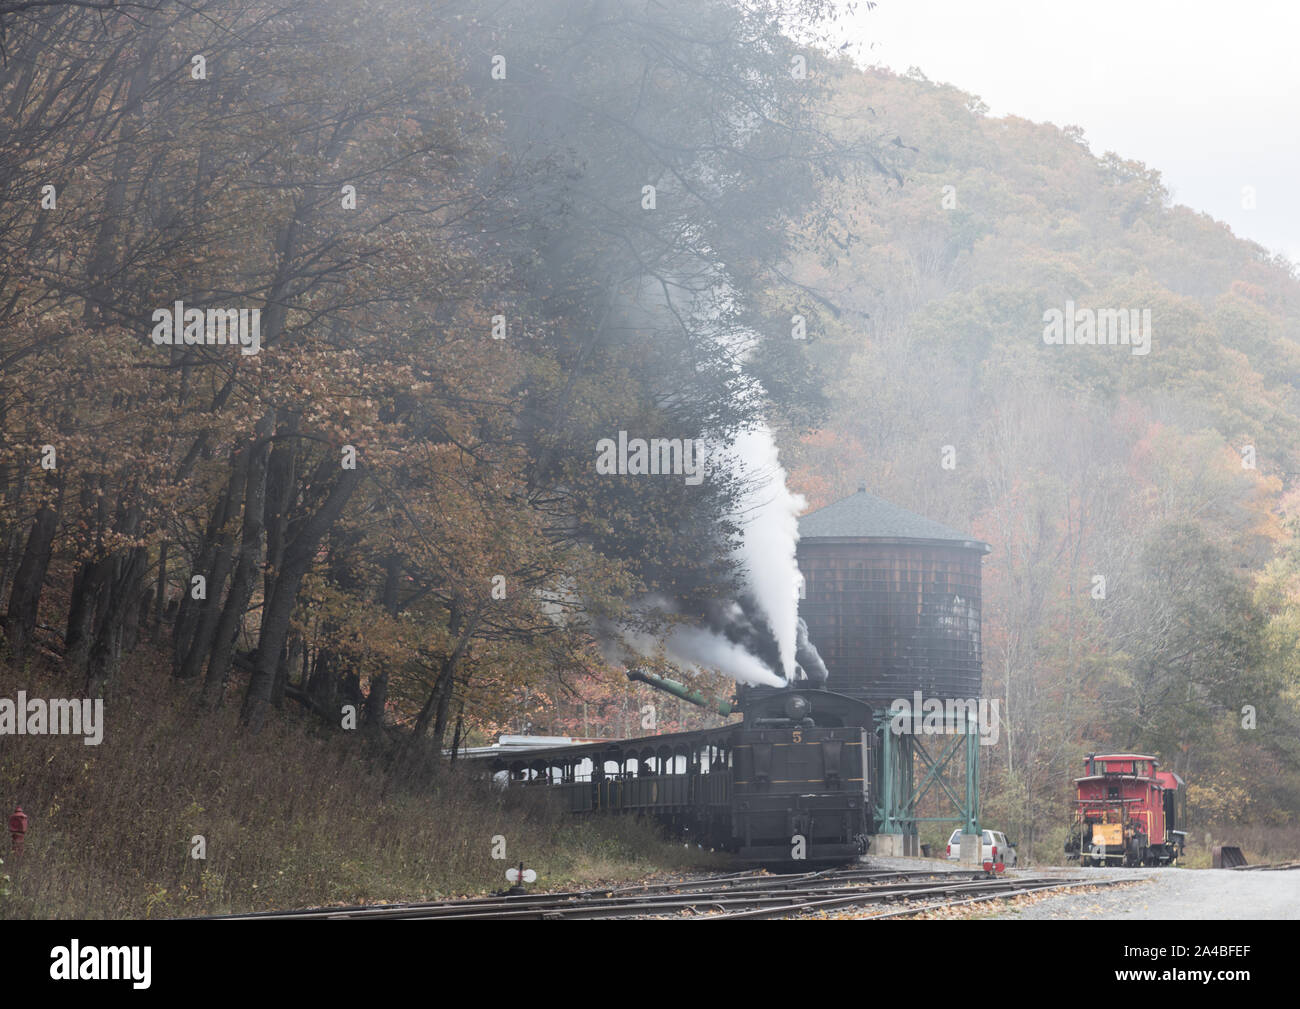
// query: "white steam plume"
[[703, 649], [770, 515], [695, 649]]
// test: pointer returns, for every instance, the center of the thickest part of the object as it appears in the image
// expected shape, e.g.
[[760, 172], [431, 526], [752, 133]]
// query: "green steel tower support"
[[942, 761]]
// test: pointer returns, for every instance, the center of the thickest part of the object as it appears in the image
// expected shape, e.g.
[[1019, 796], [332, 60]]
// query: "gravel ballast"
[[1157, 894]]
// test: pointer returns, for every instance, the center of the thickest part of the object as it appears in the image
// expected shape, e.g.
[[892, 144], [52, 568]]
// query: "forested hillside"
[[479, 246], [1171, 474]]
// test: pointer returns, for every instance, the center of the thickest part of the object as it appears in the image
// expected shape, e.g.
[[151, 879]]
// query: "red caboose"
[[1126, 812]]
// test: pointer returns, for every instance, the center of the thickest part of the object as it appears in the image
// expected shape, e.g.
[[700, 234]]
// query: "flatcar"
[[789, 783], [1126, 812]]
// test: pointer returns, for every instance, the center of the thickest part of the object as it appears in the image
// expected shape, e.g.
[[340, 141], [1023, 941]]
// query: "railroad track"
[[1265, 867], [747, 895]]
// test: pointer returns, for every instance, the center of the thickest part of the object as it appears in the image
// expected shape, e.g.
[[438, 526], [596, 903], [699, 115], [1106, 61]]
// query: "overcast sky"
[[1208, 93]]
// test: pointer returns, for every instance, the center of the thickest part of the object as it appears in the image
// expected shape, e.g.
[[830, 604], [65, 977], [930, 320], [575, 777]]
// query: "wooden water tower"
[[892, 602]]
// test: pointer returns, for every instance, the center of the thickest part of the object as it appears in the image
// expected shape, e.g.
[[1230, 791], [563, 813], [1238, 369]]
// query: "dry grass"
[[291, 818], [1258, 843]]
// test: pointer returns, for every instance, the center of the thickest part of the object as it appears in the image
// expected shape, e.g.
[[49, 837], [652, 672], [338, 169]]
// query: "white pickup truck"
[[996, 848]]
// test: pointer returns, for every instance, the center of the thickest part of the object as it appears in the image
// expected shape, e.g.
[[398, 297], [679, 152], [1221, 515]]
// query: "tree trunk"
[[87, 589], [137, 601], [106, 650], [160, 592], [376, 703], [246, 570], [222, 560], [25, 598], [435, 708], [192, 610], [284, 594], [444, 706], [377, 695], [279, 492], [13, 531], [455, 739]]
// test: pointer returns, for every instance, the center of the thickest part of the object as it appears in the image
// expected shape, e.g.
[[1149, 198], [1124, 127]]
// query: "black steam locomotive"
[[790, 783], [801, 777]]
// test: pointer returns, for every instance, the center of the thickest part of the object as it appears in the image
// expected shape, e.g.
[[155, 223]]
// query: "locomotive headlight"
[[796, 706]]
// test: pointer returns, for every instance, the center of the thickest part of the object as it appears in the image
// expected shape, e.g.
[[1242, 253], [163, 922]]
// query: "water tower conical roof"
[[865, 516]]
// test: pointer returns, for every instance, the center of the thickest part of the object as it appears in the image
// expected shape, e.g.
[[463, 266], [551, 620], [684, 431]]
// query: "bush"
[[291, 817]]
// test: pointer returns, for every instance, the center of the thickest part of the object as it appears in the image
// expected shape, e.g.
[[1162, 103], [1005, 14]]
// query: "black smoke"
[[741, 622], [808, 657]]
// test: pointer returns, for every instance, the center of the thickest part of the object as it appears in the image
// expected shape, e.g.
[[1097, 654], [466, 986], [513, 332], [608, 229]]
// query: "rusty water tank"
[[892, 601]]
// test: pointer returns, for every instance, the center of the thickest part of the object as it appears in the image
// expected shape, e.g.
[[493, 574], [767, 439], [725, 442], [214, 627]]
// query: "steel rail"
[[815, 890], [1265, 867], [755, 884], [779, 899], [907, 911], [999, 888]]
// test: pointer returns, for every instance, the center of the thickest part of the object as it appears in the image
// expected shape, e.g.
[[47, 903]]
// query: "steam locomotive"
[[893, 599], [801, 777], [790, 783], [1126, 812]]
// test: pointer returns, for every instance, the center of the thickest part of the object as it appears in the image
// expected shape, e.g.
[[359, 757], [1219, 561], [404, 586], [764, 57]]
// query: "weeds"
[[291, 817]]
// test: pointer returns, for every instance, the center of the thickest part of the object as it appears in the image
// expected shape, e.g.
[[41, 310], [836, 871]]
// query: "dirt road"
[[1173, 894]]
